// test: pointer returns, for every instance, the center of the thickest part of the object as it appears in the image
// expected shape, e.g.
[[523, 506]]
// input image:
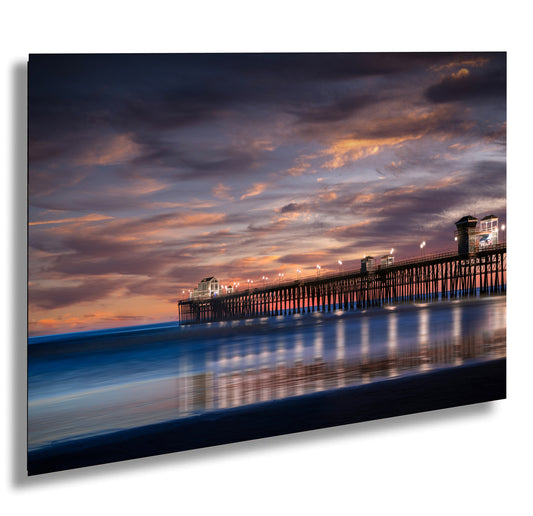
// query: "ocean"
[[97, 383]]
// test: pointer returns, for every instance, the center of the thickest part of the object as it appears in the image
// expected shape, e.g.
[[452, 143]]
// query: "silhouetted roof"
[[468, 218], [488, 217], [208, 279]]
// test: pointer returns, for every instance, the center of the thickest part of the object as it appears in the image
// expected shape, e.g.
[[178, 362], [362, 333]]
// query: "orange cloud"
[[475, 63], [361, 198], [200, 219], [256, 189], [93, 217], [461, 74], [401, 191], [221, 191], [140, 186], [255, 261], [192, 204], [342, 229], [299, 169], [405, 127], [133, 309], [328, 196], [118, 149], [349, 150]]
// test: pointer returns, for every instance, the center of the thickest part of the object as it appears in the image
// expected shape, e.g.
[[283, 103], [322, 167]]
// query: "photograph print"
[[226, 247]]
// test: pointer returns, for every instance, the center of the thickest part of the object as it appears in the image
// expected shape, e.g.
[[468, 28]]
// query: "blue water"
[[91, 383]]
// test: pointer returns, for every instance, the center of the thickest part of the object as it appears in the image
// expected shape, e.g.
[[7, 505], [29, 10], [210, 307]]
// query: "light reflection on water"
[[149, 383]]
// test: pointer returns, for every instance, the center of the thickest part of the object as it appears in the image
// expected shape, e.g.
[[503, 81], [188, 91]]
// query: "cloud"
[[256, 189], [93, 217], [221, 191], [303, 258], [466, 85], [61, 296], [142, 170], [118, 149], [350, 150], [294, 207], [299, 168], [338, 110], [461, 62]]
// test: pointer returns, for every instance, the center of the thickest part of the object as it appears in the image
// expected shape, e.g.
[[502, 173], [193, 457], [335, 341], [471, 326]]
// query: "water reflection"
[[221, 371], [341, 352], [423, 339], [262, 374], [392, 342]]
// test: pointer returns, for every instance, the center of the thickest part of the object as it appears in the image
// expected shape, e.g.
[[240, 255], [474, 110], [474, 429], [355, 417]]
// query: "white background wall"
[[469, 460]]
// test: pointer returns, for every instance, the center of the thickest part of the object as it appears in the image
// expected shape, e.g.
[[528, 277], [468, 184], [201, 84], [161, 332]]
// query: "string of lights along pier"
[[476, 268]]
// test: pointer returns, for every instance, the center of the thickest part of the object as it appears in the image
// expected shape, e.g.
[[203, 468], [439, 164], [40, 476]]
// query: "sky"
[[150, 172]]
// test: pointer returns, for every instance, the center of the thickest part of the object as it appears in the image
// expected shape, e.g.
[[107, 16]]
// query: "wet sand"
[[433, 390]]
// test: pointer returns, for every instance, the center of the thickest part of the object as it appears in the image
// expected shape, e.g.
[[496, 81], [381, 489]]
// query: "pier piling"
[[442, 276]]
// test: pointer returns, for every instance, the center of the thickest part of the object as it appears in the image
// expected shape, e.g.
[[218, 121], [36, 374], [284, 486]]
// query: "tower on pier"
[[466, 234], [488, 231]]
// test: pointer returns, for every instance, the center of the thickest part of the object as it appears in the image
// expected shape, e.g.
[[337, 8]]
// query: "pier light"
[[298, 271], [340, 265], [317, 269], [392, 251], [503, 227]]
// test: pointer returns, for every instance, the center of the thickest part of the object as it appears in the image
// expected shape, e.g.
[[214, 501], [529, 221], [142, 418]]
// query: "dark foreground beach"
[[451, 387]]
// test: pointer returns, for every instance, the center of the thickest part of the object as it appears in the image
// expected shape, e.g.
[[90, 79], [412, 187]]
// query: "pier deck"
[[441, 276]]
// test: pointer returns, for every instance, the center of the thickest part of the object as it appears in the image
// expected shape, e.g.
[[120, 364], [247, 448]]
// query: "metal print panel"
[[224, 247]]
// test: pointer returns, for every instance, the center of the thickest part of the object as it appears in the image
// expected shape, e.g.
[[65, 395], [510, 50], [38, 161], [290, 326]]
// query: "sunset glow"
[[149, 172]]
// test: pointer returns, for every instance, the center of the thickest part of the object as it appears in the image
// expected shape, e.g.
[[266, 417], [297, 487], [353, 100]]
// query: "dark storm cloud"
[[176, 220], [294, 207], [118, 247], [487, 178], [473, 84], [139, 263], [330, 66], [58, 297], [101, 257], [211, 163], [170, 111], [337, 110], [307, 258], [398, 213], [165, 286], [444, 120], [173, 90]]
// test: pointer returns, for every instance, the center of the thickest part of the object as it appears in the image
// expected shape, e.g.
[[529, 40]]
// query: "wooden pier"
[[442, 276]]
